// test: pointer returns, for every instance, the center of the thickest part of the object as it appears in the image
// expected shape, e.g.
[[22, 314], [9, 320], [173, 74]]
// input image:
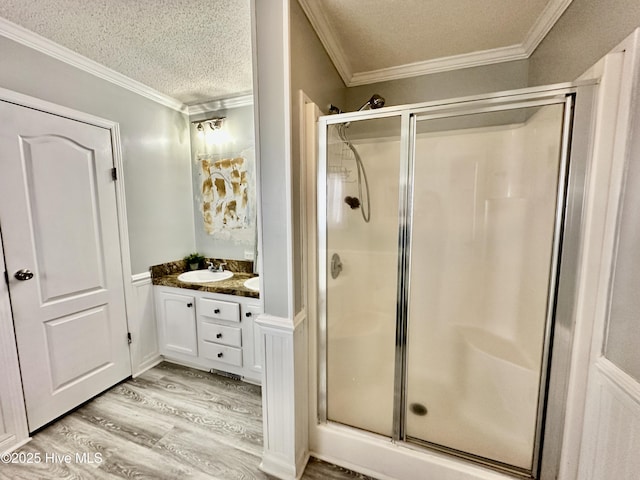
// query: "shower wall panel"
[[482, 235]]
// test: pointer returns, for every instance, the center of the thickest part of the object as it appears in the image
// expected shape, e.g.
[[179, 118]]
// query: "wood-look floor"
[[170, 423]]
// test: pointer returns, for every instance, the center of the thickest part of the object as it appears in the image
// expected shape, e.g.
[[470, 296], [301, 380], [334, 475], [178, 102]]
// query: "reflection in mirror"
[[224, 180]]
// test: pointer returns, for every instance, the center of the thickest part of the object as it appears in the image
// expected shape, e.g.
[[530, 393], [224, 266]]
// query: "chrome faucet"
[[219, 268]]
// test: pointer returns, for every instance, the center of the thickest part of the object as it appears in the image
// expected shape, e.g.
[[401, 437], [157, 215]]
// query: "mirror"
[[224, 174], [224, 182]]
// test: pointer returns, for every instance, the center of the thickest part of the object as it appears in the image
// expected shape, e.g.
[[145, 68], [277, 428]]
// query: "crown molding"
[[221, 104], [437, 65], [43, 45], [327, 36], [543, 24]]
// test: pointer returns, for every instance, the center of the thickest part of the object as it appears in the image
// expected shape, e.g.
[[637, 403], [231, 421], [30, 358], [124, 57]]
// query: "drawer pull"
[[189, 305], [229, 311], [218, 335], [248, 314], [220, 355]]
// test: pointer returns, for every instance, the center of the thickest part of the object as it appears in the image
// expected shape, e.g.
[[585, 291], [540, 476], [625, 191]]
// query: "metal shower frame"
[[578, 98]]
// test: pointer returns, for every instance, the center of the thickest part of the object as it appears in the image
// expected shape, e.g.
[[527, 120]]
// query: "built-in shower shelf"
[[338, 170]]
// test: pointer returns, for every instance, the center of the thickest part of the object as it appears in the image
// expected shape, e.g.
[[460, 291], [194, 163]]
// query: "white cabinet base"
[[219, 336], [176, 316]]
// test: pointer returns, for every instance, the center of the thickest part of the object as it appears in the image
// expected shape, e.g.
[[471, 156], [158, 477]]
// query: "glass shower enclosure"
[[440, 234]]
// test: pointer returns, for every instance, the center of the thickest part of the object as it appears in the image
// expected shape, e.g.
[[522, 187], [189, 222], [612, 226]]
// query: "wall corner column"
[[284, 396], [283, 338]]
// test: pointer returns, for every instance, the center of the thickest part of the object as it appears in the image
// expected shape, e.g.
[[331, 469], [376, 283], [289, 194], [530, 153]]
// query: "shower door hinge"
[[6, 277], [129, 338], [114, 174]]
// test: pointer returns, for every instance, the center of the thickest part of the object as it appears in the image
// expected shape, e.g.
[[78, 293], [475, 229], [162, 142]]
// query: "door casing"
[[113, 127]]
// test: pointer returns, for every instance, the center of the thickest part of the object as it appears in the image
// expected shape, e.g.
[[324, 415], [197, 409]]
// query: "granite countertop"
[[167, 274]]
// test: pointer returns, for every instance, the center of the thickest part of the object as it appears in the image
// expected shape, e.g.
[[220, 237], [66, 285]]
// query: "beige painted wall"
[[271, 78], [586, 32], [437, 86], [312, 72]]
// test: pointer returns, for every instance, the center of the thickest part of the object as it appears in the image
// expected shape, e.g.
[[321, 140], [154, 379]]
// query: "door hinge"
[[6, 277], [114, 174], [129, 338]]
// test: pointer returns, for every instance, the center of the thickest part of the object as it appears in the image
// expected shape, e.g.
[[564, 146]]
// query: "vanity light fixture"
[[215, 123]]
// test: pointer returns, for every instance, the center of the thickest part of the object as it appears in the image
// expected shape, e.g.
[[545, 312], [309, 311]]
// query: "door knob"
[[23, 275]]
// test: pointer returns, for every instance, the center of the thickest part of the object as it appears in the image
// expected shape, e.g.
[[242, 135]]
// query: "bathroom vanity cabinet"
[[209, 330], [177, 323]]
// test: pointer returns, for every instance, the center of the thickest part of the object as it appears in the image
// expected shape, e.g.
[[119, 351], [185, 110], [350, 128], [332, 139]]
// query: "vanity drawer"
[[219, 310], [221, 353], [212, 332]]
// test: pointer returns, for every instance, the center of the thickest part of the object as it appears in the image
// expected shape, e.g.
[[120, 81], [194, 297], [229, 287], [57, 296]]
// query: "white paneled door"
[[60, 231]]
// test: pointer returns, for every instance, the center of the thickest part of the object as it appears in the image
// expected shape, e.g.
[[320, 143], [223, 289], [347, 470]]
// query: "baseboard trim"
[[148, 365], [279, 468], [16, 446]]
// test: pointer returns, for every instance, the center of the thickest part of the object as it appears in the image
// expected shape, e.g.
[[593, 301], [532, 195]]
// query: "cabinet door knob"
[[23, 275], [189, 304], [248, 314], [218, 335], [217, 310], [220, 355]]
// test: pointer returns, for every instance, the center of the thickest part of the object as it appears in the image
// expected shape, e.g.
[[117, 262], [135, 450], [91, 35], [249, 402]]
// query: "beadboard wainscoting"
[[610, 432], [145, 352], [611, 439], [284, 395]]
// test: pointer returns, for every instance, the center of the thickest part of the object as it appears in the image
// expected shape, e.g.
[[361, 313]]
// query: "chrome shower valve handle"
[[336, 265]]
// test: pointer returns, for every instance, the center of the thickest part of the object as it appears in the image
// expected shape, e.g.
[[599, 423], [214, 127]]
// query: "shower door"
[[361, 271], [437, 314], [488, 188]]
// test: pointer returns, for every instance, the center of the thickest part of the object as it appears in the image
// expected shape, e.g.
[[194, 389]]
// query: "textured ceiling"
[[379, 34], [200, 50], [377, 40], [192, 50]]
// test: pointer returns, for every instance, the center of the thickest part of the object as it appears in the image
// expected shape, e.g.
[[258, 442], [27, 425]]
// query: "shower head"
[[376, 101]]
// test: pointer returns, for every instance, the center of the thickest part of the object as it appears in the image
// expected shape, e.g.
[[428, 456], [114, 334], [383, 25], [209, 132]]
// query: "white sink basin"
[[253, 284], [204, 276]]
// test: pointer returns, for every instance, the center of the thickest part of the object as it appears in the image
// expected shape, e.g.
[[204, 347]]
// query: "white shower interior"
[[482, 229]]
